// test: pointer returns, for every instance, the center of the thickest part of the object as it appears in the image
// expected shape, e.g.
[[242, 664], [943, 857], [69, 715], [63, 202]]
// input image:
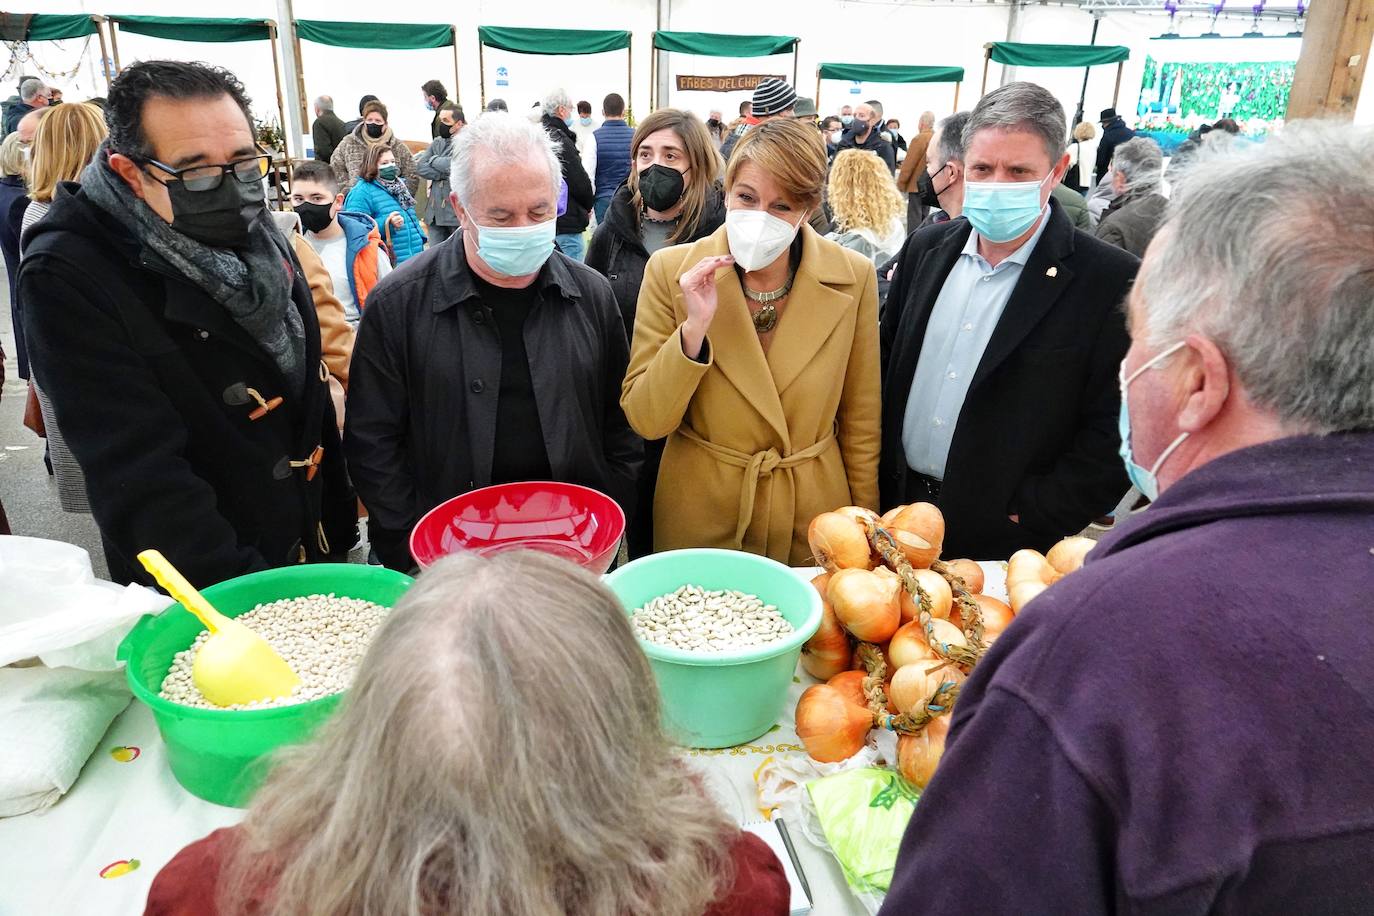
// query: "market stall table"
[[127, 807]]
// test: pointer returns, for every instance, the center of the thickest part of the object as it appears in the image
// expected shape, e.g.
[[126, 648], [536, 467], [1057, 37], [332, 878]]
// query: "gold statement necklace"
[[766, 318]]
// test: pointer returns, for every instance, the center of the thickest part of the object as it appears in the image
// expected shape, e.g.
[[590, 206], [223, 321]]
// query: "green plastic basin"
[[221, 755], [721, 699]]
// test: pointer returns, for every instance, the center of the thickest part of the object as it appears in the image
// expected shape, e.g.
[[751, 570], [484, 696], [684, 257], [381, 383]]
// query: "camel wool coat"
[[758, 446]]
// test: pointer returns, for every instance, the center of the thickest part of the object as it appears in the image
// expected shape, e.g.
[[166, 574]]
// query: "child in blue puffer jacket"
[[382, 194]]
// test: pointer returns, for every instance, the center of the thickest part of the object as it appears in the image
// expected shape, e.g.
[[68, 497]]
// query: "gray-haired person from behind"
[[1130, 711], [1131, 220], [499, 752], [494, 358]]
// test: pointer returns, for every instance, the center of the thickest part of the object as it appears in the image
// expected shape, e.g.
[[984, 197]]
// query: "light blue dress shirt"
[[961, 324]]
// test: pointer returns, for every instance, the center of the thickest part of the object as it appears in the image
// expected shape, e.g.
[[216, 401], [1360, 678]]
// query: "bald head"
[[28, 124]]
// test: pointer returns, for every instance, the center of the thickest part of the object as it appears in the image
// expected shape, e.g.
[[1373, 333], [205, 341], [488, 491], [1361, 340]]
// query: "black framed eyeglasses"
[[209, 177]]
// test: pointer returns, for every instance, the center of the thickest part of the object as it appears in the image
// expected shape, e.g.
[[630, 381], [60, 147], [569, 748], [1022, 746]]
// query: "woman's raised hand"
[[699, 291]]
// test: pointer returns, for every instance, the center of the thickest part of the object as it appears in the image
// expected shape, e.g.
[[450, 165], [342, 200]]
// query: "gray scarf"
[[253, 285]]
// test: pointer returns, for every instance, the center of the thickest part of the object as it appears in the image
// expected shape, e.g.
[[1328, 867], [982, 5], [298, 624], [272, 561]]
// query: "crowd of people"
[[731, 328]]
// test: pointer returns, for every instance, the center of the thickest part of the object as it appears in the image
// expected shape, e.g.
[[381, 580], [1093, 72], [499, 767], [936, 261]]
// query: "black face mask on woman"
[[375, 131], [661, 187]]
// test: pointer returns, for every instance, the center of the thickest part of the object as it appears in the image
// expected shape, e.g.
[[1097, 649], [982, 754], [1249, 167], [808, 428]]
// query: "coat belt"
[[755, 466]]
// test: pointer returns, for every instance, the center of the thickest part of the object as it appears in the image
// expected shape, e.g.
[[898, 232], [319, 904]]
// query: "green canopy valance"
[[385, 36], [713, 44], [1034, 55], [891, 73], [553, 41], [45, 26], [189, 28]]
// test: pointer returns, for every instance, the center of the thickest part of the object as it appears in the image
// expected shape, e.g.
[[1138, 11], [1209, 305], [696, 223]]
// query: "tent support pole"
[[653, 77], [630, 73], [956, 95], [104, 52], [114, 44], [281, 112], [987, 60], [482, 71], [1116, 93], [456, 95], [818, 91], [796, 61]]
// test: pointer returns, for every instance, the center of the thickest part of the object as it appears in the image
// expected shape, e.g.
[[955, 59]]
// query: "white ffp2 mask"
[[757, 238]]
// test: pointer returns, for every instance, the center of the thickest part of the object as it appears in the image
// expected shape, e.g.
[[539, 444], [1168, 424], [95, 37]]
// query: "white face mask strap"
[[1153, 361], [1164, 456]]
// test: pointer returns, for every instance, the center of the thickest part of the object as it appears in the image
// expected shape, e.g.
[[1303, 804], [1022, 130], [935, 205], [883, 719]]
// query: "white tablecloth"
[[50, 862]]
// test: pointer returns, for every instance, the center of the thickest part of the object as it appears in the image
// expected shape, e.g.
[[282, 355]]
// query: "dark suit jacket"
[[1037, 435]]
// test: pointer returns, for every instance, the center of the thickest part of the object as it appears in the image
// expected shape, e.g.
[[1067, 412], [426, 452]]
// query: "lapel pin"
[[1052, 272]]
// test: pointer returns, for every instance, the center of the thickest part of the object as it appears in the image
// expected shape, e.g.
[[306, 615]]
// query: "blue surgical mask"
[[1144, 480], [569, 120], [586, 122], [846, 120], [1003, 210], [516, 251]]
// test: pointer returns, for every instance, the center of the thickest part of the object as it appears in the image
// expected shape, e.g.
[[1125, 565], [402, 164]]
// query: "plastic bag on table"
[[53, 608], [864, 814]]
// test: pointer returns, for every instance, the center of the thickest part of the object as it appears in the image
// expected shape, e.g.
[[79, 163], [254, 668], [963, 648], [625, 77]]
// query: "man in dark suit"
[[1001, 340], [1114, 133]]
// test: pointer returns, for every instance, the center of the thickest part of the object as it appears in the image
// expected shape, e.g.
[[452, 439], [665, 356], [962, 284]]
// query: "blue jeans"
[[602, 205], [572, 245]]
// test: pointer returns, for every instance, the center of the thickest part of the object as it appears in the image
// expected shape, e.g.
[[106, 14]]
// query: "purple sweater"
[[1186, 725]]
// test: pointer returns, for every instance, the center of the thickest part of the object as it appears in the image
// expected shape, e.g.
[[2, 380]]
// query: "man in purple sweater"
[[1186, 725]]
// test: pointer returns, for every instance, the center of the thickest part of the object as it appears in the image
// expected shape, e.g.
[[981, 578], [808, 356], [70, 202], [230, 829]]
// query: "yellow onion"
[[997, 615], [826, 653], [866, 603], [919, 552], [1028, 574], [838, 542], [1068, 555], [909, 646], [919, 755], [941, 596], [923, 520], [913, 685], [891, 515], [858, 514], [830, 727], [970, 572], [851, 684]]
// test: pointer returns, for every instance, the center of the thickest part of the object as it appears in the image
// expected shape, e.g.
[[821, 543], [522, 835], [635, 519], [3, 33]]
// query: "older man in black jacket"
[[557, 107], [175, 333], [1001, 339], [491, 358]]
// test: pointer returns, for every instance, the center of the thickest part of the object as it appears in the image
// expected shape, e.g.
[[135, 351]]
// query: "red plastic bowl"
[[577, 523]]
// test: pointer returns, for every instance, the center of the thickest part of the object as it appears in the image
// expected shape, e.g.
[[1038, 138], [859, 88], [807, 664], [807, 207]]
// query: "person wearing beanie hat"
[[773, 98]]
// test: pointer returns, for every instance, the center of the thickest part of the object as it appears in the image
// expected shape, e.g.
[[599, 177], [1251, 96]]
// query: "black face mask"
[[661, 187], [314, 217], [713, 123], [860, 127], [925, 186], [375, 131], [220, 218]]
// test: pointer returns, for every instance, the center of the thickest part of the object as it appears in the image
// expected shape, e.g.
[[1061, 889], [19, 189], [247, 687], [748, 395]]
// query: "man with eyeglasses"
[[175, 332]]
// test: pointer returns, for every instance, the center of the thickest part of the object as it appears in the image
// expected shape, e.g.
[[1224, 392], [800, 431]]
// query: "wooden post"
[[1331, 65], [281, 111], [456, 96], [104, 52], [956, 95], [630, 73], [987, 59], [818, 90], [300, 71], [1116, 92], [653, 76], [482, 71], [114, 43]]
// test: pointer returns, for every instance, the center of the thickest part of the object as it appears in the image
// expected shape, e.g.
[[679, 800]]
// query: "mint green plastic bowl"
[[721, 699], [220, 755]]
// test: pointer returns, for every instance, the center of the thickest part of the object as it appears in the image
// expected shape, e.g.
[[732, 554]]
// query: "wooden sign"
[[745, 82]]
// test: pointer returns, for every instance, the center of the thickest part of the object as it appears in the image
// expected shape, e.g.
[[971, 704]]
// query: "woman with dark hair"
[[452, 781], [382, 195], [672, 196]]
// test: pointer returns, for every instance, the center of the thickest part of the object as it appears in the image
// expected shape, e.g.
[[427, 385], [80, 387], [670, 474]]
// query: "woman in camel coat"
[[755, 353]]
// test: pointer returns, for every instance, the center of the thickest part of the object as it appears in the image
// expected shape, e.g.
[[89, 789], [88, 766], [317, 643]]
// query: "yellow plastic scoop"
[[234, 665]]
